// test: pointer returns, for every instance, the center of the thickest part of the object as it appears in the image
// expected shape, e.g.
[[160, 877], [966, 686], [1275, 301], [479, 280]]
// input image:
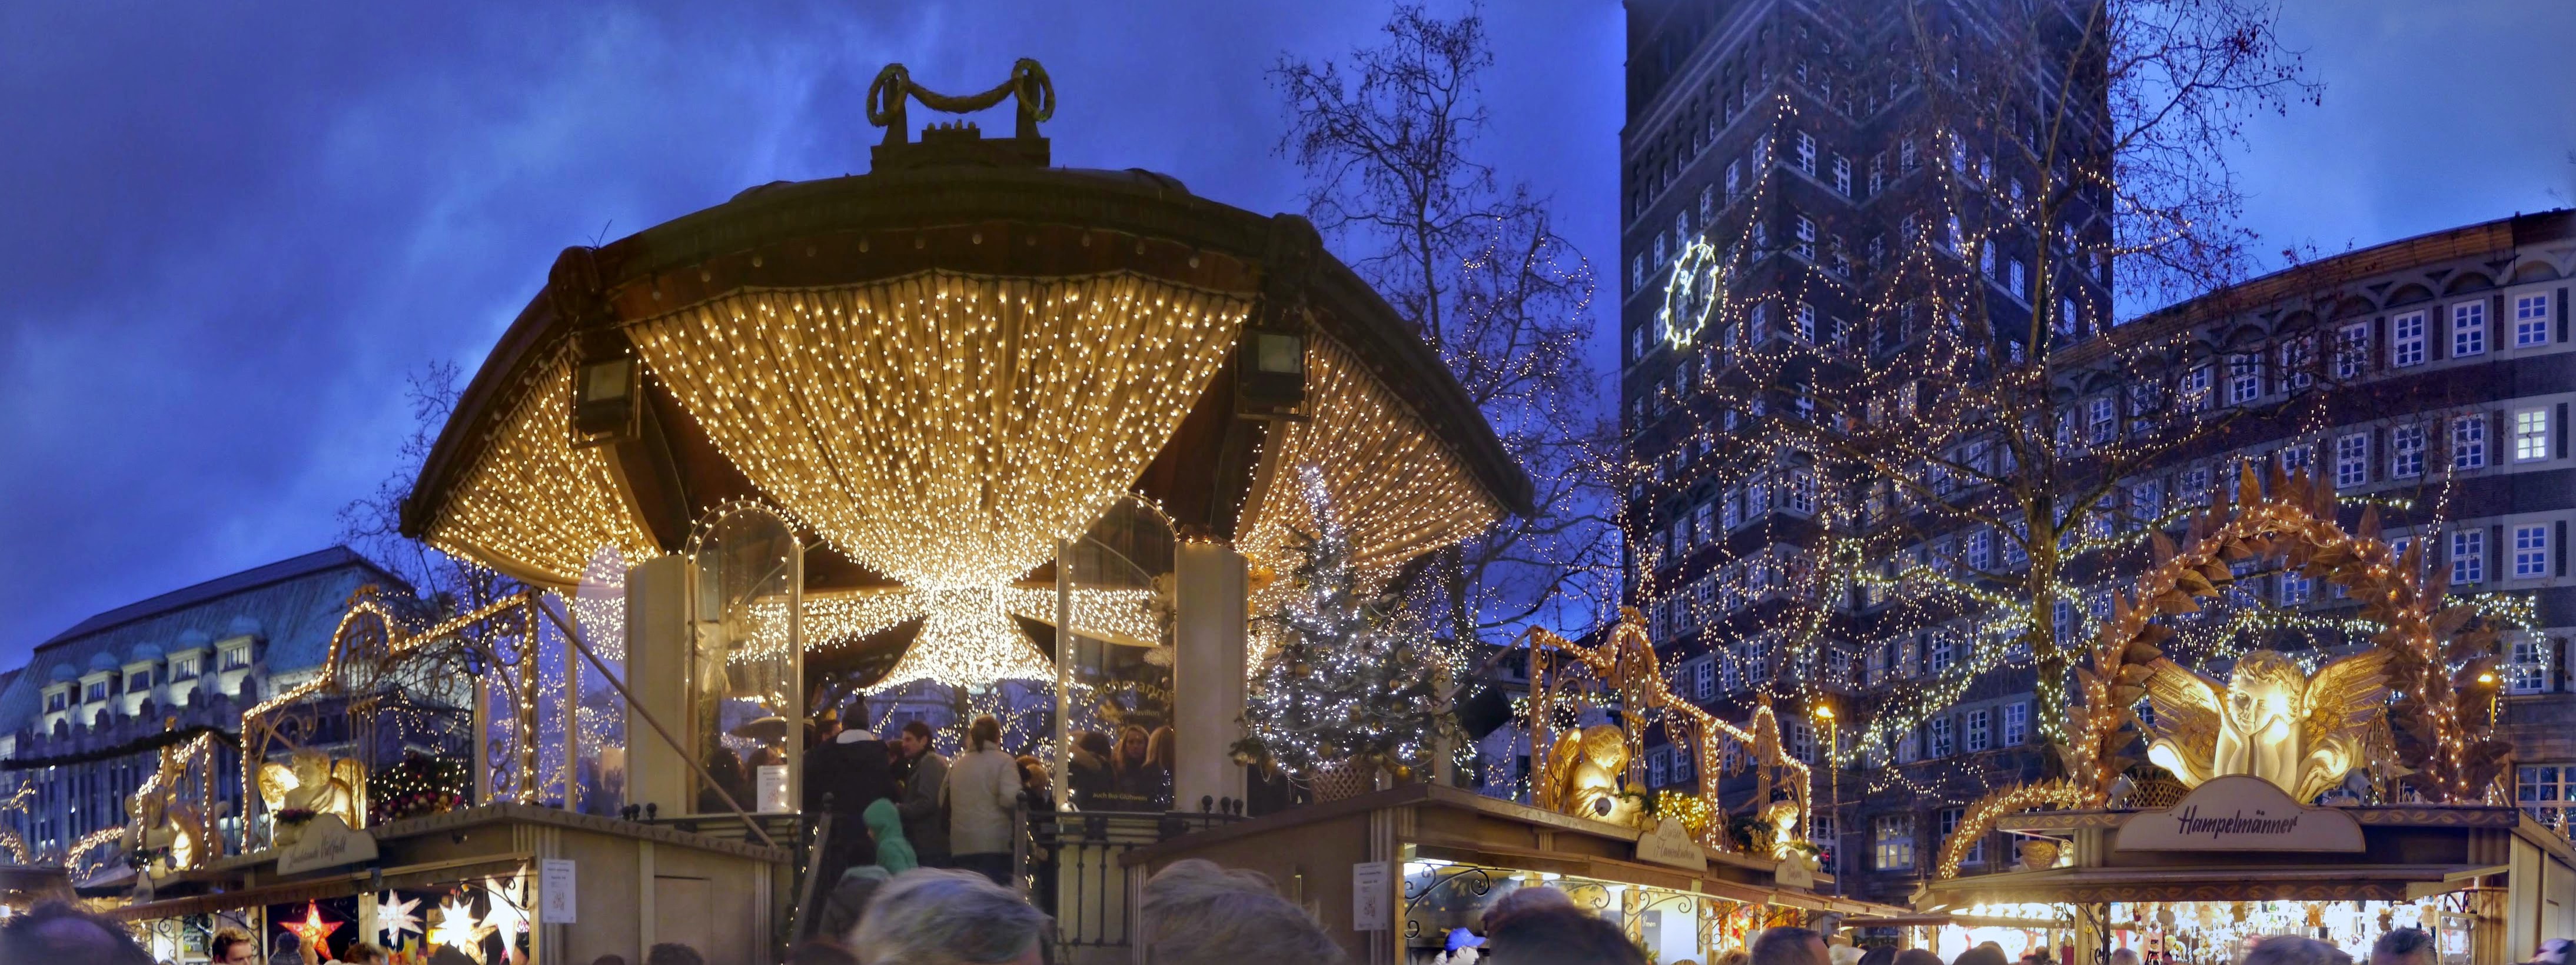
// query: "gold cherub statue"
[[1582, 778], [162, 819], [2270, 720], [312, 781]]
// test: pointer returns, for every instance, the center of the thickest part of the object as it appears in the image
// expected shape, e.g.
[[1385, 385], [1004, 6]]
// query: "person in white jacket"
[[982, 790]]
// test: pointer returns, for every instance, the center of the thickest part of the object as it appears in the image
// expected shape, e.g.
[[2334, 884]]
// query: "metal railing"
[[1074, 870]]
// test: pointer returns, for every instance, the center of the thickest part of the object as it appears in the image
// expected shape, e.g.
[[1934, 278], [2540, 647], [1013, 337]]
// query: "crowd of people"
[[1191, 912]]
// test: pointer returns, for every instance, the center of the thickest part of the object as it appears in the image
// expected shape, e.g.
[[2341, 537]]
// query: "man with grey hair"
[[933, 916], [1196, 913], [2294, 950], [1789, 946], [2404, 946]]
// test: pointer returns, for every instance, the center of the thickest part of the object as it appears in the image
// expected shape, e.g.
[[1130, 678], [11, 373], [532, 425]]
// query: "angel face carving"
[[312, 781], [2269, 720]]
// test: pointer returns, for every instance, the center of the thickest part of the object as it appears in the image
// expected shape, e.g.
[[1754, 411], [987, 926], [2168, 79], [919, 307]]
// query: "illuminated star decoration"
[[394, 918], [313, 930], [509, 914], [456, 929]]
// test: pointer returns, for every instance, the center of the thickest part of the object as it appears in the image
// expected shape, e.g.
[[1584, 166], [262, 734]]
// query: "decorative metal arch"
[[2291, 520]]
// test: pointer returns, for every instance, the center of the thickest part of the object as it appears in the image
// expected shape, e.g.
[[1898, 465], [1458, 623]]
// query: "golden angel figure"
[[312, 781], [2270, 720], [164, 819], [1582, 777]]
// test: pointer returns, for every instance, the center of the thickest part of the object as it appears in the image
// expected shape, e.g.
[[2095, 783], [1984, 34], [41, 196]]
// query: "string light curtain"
[[1399, 491], [946, 429], [534, 506]]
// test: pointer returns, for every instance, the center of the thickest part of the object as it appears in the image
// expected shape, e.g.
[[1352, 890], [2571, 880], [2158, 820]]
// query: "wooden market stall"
[[1390, 872], [474, 881], [2236, 858]]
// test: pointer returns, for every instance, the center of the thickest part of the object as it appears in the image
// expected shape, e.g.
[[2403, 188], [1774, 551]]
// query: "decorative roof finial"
[[890, 95]]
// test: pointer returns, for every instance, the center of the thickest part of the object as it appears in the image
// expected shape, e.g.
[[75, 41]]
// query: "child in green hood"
[[893, 852]]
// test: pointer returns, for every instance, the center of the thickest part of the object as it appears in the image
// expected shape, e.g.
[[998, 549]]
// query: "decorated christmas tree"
[[1353, 679]]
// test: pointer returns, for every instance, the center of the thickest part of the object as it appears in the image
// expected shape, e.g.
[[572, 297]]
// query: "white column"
[[1207, 673], [658, 651]]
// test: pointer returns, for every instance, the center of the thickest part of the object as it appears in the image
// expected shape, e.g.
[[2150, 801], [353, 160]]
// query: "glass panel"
[[1116, 583], [744, 679]]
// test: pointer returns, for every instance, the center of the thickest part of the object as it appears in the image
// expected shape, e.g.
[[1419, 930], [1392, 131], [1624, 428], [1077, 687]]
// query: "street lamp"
[[1834, 782]]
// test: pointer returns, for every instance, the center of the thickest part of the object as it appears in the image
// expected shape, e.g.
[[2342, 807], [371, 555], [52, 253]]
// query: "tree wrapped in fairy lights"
[[1353, 679]]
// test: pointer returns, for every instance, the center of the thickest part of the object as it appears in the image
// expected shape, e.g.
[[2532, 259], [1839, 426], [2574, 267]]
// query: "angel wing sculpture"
[[2270, 720]]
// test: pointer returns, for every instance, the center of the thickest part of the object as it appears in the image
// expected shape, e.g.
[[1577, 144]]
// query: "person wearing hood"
[[894, 851], [851, 769]]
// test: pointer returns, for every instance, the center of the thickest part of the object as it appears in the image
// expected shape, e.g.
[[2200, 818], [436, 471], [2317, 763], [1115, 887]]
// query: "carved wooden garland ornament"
[[1627, 663], [2441, 722]]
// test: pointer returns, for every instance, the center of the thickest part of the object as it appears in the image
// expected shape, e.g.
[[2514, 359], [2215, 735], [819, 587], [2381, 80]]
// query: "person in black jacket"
[[851, 767]]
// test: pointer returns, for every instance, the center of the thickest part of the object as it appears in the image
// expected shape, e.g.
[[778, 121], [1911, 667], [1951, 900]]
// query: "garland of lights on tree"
[[1353, 678]]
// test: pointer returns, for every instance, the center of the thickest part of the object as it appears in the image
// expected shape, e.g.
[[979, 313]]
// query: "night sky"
[[230, 230]]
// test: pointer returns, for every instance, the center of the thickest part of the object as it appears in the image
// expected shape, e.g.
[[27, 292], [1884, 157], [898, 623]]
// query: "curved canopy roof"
[[767, 327]]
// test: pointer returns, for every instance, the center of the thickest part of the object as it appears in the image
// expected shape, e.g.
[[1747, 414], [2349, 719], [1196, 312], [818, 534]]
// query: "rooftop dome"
[[102, 660], [63, 672], [143, 651], [243, 625], [192, 638]]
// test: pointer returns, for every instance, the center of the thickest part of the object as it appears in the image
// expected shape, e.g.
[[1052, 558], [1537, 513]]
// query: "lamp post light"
[[1834, 783]]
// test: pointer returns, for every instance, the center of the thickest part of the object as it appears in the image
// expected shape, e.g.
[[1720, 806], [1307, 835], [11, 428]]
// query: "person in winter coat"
[[894, 853], [850, 765], [983, 788], [923, 825], [1091, 778]]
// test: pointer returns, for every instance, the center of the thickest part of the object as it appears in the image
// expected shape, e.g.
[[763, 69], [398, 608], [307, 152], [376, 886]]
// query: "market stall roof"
[[2247, 881], [1477, 830], [961, 221]]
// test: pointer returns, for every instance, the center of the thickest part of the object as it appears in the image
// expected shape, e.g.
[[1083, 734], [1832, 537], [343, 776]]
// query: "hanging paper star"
[[509, 915], [456, 929], [313, 930], [394, 918]]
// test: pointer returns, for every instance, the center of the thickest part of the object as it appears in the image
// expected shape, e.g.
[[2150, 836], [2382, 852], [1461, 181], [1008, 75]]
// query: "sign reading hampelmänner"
[[2240, 813]]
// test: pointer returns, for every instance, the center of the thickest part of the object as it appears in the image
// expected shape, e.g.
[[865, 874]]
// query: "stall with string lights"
[[2336, 801]]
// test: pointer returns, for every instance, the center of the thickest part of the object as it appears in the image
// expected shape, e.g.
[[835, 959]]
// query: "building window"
[[2406, 340], [1659, 251], [2016, 724], [58, 700], [1980, 730], [2469, 329], [1842, 175], [2547, 791], [2195, 388], [2244, 378], [2528, 673], [2530, 551], [2468, 556], [97, 692], [1734, 180], [1938, 654], [1704, 678], [1950, 818], [2352, 345], [2102, 420], [1707, 203], [1805, 146], [136, 683], [237, 658], [2530, 435], [2406, 451], [1805, 230], [2352, 459], [2298, 359], [1892, 842], [2531, 320], [2298, 457], [2469, 442], [2296, 588], [1655, 768], [1936, 737]]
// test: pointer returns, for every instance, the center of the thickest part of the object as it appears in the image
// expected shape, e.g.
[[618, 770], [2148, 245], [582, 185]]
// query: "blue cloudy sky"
[[227, 231]]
